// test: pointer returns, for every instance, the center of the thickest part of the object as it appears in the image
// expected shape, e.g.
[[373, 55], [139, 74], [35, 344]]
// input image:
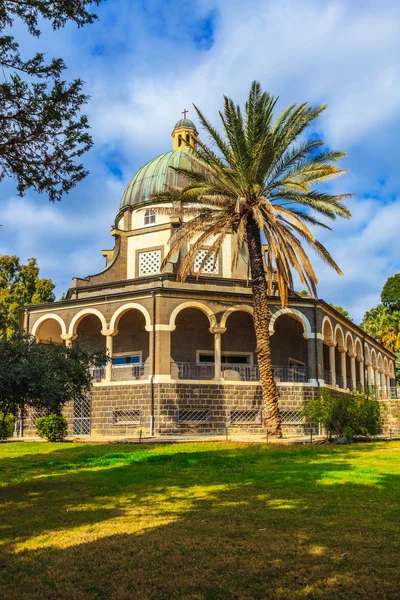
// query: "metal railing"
[[235, 372], [349, 383], [339, 380], [291, 374], [127, 372], [388, 393], [328, 377], [120, 373], [393, 392], [98, 373], [183, 370]]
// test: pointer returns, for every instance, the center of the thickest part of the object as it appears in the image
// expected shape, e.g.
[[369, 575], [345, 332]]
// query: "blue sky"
[[146, 60]]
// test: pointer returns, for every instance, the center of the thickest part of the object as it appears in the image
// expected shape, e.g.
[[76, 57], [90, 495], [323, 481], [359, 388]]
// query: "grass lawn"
[[210, 521]]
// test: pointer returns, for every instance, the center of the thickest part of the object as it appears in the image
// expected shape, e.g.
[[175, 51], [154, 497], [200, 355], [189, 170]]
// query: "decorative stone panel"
[[208, 266], [149, 262]]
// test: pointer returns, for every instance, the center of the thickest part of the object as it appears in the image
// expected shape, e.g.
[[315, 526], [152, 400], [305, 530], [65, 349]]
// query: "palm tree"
[[257, 183], [383, 324], [391, 335]]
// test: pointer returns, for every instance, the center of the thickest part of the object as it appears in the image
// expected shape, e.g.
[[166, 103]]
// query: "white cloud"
[[323, 52], [142, 68]]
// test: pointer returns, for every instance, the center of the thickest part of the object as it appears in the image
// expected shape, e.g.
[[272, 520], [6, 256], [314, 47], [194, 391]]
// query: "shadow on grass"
[[225, 522]]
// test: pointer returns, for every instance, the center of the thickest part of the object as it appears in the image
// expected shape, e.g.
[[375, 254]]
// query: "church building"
[[184, 354]]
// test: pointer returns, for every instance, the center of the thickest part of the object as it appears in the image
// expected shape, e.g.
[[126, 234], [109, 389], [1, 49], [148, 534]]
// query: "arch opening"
[[328, 341], [289, 348], [89, 329], [131, 344], [196, 305], [191, 341], [239, 341], [295, 314], [48, 331]]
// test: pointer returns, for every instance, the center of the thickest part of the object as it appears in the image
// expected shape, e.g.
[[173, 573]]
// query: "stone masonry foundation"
[[181, 408]]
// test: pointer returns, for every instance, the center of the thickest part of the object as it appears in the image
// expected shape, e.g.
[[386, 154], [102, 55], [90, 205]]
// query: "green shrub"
[[6, 426], [52, 427], [345, 415]]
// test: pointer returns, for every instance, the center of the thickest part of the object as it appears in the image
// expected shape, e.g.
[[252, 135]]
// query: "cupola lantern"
[[184, 135]]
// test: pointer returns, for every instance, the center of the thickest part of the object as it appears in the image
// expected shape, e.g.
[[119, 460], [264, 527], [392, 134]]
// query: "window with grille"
[[149, 217], [35, 415], [208, 266], [127, 417], [245, 415], [149, 262], [194, 415]]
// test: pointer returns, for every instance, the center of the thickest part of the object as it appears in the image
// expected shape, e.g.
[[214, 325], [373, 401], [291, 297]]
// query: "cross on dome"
[[184, 112]]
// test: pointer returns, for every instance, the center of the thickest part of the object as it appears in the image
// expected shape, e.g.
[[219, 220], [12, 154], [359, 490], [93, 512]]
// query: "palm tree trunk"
[[272, 417]]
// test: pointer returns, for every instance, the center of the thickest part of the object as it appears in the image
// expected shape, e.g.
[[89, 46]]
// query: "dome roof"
[[185, 123], [155, 176]]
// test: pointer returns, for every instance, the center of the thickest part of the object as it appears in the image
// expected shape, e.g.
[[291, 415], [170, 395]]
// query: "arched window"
[[188, 139], [149, 217], [179, 140]]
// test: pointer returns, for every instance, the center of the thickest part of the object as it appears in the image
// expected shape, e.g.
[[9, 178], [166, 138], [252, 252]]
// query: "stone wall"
[[224, 402], [390, 415], [106, 400], [182, 408]]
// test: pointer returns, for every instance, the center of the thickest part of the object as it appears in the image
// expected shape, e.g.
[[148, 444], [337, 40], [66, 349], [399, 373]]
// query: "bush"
[[52, 427], [345, 415], [6, 426]]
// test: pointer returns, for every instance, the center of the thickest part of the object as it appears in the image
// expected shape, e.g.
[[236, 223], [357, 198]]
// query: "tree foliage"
[[44, 376], [257, 178], [7, 423], [383, 324], [391, 293], [383, 321], [20, 285], [43, 133], [346, 415], [341, 310], [52, 427]]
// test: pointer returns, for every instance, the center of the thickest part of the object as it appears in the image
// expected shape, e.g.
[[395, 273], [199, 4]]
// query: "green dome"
[[155, 176], [185, 123]]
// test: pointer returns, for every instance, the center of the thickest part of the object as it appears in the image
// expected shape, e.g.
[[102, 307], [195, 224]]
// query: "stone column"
[[315, 359], [68, 338], [353, 369], [388, 384], [369, 374], [162, 340], [383, 382], [332, 366], [361, 369], [109, 334], [375, 377], [217, 332], [343, 373]]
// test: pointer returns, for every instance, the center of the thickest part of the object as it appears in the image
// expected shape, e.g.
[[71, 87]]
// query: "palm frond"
[[256, 170]]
